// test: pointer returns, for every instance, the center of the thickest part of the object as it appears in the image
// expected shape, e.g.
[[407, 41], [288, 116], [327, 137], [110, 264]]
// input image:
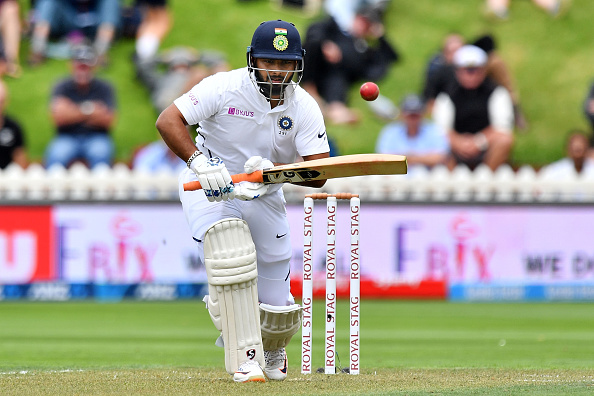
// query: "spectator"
[[440, 69], [12, 139], [422, 141], [175, 71], [500, 73], [576, 160], [476, 113], [344, 11], [83, 111], [98, 20], [10, 29], [155, 157], [309, 7], [500, 8], [156, 23], [337, 59], [589, 110]]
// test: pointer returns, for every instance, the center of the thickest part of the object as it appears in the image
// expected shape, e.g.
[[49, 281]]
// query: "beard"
[[270, 90]]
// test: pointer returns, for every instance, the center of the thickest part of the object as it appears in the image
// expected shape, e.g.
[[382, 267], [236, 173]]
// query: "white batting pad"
[[279, 324], [230, 261]]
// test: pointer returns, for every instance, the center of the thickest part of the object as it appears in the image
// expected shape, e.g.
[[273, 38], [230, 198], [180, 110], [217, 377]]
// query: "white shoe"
[[249, 371], [276, 364]]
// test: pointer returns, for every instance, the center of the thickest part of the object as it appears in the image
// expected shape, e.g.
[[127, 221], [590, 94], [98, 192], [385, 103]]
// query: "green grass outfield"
[[155, 348]]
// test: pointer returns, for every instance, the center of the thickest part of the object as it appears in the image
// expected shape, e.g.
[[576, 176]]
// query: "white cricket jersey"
[[236, 121]]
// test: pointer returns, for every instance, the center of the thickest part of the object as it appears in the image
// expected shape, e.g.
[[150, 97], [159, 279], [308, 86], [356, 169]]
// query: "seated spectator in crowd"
[[344, 11], [422, 141], [156, 23], [589, 111], [577, 160], [173, 72], [338, 59], [10, 31], [12, 139], [83, 109], [440, 69], [309, 7], [500, 8], [98, 20], [498, 71], [155, 157], [476, 113]]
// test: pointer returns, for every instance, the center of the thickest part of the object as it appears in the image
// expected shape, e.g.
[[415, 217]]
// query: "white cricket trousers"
[[266, 217]]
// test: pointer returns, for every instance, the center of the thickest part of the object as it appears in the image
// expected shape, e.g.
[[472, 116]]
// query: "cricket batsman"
[[249, 119]]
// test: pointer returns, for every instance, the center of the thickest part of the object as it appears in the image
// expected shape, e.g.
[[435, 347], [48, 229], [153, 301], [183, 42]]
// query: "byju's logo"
[[241, 113]]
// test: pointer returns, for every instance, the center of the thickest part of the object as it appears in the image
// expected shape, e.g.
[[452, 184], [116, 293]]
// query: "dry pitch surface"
[[380, 382]]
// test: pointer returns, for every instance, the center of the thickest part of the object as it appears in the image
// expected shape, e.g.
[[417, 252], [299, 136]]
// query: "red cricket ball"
[[369, 91]]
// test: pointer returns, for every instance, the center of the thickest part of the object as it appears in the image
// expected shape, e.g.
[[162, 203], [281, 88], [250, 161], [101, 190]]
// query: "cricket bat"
[[325, 168]]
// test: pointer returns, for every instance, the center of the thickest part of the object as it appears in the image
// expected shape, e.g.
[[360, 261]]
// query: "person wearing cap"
[[339, 58], [83, 109], [249, 119], [477, 113], [422, 141]]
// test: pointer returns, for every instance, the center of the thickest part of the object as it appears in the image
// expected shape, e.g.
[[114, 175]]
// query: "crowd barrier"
[[78, 183]]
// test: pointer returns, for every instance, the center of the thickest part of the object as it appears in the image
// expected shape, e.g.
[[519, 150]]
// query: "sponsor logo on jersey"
[[193, 98], [241, 113]]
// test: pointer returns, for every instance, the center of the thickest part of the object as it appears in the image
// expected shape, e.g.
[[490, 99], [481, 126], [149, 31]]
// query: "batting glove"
[[247, 191], [214, 178], [257, 163]]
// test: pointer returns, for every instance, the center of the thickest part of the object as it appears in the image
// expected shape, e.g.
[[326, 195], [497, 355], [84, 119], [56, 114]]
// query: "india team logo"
[[280, 41], [285, 123]]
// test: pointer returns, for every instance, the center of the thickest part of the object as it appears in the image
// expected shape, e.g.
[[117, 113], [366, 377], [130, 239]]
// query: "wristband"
[[192, 157]]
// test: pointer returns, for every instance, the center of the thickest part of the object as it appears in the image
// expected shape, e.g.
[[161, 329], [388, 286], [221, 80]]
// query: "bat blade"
[[325, 168], [333, 167]]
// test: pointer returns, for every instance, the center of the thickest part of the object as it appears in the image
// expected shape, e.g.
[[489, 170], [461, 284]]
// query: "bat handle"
[[255, 177]]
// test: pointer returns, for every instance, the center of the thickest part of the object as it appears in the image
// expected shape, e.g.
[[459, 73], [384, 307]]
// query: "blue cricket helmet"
[[276, 40]]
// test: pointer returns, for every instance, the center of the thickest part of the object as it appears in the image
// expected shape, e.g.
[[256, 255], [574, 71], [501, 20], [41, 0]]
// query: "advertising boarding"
[[467, 253]]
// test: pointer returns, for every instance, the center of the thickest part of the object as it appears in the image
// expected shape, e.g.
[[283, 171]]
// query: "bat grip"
[[255, 177]]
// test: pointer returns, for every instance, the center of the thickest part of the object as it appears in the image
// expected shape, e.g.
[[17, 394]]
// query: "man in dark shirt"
[[337, 59], [477, 113], [83, 110], [12, 141]]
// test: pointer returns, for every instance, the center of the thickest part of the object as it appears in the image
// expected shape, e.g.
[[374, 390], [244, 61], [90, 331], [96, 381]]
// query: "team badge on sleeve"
[[285, 123]]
